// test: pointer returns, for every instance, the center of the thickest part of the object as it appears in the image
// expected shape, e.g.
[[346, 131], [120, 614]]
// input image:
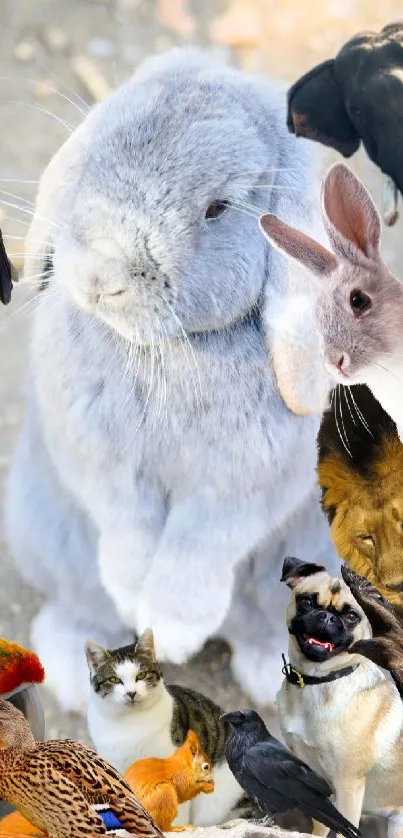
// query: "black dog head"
[[322, 616], [358, 96]]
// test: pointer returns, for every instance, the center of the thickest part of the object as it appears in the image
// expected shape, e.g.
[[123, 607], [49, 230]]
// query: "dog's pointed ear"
[[296, 569]]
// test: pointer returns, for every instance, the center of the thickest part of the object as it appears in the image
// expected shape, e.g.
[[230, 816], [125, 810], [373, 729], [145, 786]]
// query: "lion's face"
[[367, 522], [371, 540]]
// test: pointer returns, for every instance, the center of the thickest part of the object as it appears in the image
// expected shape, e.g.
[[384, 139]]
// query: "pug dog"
[[339, 712]]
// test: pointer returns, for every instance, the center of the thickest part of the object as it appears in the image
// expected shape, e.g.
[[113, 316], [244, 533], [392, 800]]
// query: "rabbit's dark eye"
[[216, 209], [359, 301]]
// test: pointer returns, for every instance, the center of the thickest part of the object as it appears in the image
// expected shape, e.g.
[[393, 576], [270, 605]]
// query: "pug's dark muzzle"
[[321, 634], [28, 701]]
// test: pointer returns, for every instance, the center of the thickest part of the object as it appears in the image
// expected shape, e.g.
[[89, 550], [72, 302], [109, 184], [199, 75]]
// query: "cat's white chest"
[[124, 739]]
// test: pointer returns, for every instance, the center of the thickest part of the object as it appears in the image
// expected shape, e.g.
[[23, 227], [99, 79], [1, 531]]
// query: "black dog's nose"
[[326, 618]]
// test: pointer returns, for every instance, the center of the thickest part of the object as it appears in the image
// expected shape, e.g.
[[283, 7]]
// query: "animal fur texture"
[[359, 310], [166, 462], [385, 647], [360, 472], [349, 730], [133, 714], [162, 785], [60, 786]]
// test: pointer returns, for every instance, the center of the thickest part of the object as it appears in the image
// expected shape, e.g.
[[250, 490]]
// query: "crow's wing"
[[273, 765], [283, 782]]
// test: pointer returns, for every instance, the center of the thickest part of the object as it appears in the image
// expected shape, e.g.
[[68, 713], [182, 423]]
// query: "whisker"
[[17, 197], [17, 180], [43, 110], [242, 209], [359, 414], [261, 172], [342, 421], [30, 212], [68, 87], [189, 345], [385, 369], [85, 104], [344, 391]]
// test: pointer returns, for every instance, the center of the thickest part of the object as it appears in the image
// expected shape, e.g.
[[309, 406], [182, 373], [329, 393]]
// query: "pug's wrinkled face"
[[323, 617]]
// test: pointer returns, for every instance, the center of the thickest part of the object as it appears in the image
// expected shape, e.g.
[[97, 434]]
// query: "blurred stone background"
[[57, 57]]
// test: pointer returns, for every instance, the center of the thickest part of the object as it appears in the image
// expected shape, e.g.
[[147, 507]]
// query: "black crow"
[[272, 776]]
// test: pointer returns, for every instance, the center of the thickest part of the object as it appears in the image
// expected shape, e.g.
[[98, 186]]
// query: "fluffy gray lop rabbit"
[[166, 464]]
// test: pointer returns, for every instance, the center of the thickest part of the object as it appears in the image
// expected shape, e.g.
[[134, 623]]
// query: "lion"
[[360, 472]]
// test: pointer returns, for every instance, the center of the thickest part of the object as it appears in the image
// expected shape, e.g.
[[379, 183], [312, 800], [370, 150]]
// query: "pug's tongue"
[[313, 641]]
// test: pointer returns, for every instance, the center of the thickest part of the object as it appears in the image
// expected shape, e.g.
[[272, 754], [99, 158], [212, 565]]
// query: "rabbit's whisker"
[[345, 443], [70, 89], [17, 180], [81, 105], [245, 211], [344, 390], [30, 212], [358, 411], [18, 198], [385, 369], [41, 109], [26, 308], [187, 344], [261, 172]]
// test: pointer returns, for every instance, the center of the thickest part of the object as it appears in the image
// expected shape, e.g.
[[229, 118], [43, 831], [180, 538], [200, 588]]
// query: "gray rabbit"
[[167, 461], [359, 310]]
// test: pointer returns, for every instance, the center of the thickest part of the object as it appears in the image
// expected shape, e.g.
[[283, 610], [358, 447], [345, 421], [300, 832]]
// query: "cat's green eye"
[[141, 676], [115, 680]]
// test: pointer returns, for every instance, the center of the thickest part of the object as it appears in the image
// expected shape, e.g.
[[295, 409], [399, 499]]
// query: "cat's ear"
[[193, 743], [96, 655], [145, 644]]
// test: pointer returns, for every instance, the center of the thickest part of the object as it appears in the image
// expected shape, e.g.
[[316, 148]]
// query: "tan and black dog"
[[338, 711]]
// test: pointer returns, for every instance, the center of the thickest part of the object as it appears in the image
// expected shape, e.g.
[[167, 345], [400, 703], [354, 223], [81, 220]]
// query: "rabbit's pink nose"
[[343, 363]]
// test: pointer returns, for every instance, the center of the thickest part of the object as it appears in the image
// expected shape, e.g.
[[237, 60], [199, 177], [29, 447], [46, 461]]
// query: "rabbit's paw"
[[59, 646], [175, 640], [258, 672]]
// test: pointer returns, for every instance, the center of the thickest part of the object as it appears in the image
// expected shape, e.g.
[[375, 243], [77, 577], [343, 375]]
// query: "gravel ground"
[[45, 47]]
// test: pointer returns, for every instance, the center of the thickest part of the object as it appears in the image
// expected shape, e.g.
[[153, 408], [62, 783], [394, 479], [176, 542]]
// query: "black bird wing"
[[284, 782]]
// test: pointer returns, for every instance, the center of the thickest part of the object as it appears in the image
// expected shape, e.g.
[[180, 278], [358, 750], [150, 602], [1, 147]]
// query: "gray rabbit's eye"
[[359, 301], [216, 209]]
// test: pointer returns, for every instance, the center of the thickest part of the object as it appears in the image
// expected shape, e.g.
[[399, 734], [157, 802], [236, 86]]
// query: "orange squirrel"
[[15, 825], [161, 784]]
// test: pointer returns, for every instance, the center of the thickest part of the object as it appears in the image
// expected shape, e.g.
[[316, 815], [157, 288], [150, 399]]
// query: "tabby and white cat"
[[133, 714]]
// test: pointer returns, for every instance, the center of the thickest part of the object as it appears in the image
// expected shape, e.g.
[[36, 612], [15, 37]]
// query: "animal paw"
[[60, 648], [175, 640]]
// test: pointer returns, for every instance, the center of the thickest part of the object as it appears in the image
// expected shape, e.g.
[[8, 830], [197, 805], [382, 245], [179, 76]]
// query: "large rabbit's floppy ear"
[[298, 245], [63, 167], [350, 216]]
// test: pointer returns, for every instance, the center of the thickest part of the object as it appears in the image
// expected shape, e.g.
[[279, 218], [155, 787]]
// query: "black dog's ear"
[[317, 111], [295, 569]]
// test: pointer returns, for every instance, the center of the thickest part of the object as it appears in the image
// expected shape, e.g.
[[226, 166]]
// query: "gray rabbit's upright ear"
[[350, 216], [298, 245]]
